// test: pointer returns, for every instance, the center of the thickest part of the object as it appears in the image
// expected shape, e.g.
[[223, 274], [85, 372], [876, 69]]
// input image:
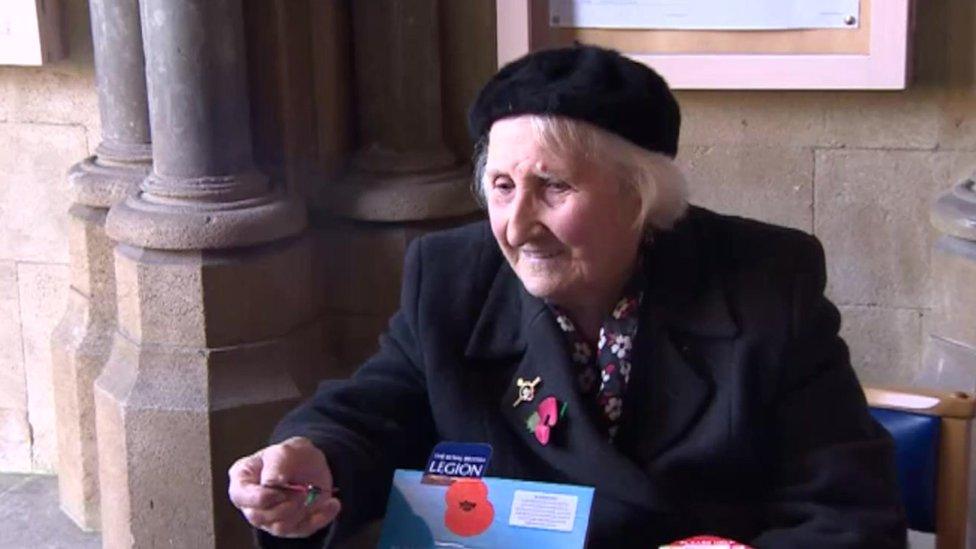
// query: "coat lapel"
[[685, 306]]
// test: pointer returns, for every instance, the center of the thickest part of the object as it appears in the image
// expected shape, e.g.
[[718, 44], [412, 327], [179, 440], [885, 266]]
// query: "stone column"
[[402, 171], [82, 340], [216, 310], [949, 360]]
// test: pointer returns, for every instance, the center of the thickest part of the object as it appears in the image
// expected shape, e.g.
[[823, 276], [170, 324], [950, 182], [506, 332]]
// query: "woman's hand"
[[258, 488]]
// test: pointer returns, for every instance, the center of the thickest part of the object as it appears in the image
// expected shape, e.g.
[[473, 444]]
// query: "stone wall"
[[48, 121], [857, 169]]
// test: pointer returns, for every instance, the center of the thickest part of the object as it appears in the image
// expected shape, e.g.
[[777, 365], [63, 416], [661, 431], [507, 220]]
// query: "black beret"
[[587, 83]]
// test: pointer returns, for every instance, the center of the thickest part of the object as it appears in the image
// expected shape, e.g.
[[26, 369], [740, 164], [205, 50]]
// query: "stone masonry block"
[[904, 120], [957, 120], [768, 183], [15, 435], [13, 384], [80, 347], [33, 197], [15, 444], [258, 293], [159, 296], [214, 298], [915, 119], [885, 344], [169, 425], [92, 252], [872, 214], [752, 118], [44, 293]]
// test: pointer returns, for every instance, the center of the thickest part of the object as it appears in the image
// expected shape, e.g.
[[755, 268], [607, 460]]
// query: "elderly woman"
[[706, 388]]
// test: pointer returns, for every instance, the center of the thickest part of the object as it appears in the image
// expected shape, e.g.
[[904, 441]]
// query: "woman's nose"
[[524, 221]]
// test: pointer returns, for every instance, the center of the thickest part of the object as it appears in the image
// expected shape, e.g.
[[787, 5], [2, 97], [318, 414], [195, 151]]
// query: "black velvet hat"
[[587, 83]]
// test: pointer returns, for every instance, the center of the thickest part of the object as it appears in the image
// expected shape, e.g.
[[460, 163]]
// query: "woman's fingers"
[[256, 496], [290, 511], [262, 487], [244, 487], [313, 519]]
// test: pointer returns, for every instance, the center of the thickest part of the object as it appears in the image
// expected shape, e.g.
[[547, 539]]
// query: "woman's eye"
[[502, 185], [557, 186]]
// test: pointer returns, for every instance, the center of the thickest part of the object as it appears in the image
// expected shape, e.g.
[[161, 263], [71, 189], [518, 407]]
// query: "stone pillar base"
[[400, 197], [146, 221], [82, 341], [80, 350], [202, 367]]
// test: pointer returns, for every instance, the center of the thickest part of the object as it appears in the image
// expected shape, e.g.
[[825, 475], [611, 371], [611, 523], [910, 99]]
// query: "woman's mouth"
[[538, 255]]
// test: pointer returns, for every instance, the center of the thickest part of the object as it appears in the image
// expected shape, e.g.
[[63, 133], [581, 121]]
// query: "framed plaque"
[[863, 44]]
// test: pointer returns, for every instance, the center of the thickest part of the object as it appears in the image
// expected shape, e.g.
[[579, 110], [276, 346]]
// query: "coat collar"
[[684, 296]]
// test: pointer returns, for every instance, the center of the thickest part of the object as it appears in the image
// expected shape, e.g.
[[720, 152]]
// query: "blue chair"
[[931, 431]]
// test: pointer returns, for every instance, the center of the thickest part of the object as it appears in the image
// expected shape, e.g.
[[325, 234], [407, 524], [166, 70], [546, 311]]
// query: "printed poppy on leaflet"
[[468, 512]]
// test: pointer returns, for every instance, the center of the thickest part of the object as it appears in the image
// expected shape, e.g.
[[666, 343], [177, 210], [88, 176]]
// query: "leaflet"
[[484, 512]]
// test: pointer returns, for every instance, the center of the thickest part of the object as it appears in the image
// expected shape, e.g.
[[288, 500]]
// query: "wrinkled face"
[[565, 225]]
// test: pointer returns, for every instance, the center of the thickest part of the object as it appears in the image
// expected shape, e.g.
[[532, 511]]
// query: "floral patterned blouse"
[[603, 375]]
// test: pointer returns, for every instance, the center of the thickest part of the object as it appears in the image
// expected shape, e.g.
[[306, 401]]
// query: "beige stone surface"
[[170, 424], [773, 184], [15, 447], [215, 298], [957, 121], [872, 216], [15, 440], [159, 303], [80, 347], [756, 118], [92, 253], [258, 293], [884, 343], [899, 120], [13, 388], [44, 290], [33, 197]]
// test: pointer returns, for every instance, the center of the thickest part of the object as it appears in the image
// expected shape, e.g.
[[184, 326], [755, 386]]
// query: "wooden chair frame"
[[956, 410]]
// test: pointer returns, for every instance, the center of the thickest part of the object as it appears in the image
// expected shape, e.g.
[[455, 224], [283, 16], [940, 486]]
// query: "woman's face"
[[564, 224]]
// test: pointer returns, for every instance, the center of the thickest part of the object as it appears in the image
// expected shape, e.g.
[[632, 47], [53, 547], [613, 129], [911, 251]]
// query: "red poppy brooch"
[[546, 416]]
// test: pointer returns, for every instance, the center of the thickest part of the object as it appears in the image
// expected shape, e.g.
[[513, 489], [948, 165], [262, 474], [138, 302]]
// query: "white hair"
[[655, 179]]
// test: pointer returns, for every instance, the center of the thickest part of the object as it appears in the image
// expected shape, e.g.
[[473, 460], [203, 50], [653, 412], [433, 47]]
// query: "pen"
[[311, 491]]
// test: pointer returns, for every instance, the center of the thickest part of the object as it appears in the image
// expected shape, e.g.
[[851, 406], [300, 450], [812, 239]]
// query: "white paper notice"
[[706, 14], [543, 510]]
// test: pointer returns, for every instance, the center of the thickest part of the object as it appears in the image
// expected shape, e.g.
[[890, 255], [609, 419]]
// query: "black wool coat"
[[743, 417]]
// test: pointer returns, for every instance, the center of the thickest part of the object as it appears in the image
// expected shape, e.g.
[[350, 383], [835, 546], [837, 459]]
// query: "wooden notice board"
[[874, 55]]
